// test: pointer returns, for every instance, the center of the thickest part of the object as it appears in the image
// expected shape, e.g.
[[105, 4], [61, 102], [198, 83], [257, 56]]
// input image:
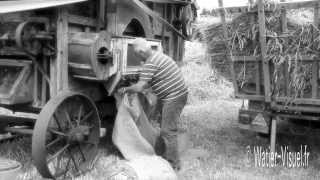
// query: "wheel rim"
[[66, 136]]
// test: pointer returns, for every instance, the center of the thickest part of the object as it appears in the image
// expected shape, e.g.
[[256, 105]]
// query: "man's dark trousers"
[[170, 116]]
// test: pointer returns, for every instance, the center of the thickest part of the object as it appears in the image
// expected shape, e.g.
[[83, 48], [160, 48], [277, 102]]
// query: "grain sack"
[[135, 137], [142, 168]]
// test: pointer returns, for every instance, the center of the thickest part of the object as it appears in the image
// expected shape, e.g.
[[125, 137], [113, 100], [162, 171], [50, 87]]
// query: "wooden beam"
[[286, 5], [35, 86], [225, 35], [250, 97], [44, 84], [101, 14], [295, 108], [263, 47], [255, 128], [179, 2], [112, 17], [305, 101], [315, 64], [62, 49], [81, 20], [53, 77], [273, 134], [285, 66]]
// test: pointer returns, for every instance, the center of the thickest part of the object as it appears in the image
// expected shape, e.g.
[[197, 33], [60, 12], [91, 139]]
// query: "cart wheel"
[[66, 136]]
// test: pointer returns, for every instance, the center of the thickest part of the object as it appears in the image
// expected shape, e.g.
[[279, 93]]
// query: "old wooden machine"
[[61, 61], [266, 104]]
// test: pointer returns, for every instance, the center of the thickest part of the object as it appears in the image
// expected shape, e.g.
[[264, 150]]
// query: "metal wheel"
[[25, 37], [66, 136]]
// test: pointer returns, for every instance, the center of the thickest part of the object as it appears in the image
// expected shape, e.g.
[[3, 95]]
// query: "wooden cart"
[[265, 108], [61, 61]]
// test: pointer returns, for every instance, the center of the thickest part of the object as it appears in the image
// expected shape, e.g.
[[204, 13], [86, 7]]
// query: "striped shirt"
[[164, 77]]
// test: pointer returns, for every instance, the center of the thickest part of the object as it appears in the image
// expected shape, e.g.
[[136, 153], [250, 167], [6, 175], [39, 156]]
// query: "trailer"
[[266, 105], [61, 62]]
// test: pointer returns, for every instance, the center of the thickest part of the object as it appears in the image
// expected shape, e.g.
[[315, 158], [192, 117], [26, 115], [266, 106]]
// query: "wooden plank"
[[62, 49], [244, 59], [101, 14], [44, 84], [273, 134], [179, 2], [299, 116], [286, 5], [250, 97], [255, 128], [225, 35], [263, 45], [112, 17], [296, 5], [252, 59], [81, 20], [10, 62], [53, 77], [257, 63], [35, 86], [315, 64], [296, 108], [284, 28], [305, 101]]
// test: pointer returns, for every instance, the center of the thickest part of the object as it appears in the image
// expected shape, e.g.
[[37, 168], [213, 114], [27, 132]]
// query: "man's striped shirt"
[[164, 76]]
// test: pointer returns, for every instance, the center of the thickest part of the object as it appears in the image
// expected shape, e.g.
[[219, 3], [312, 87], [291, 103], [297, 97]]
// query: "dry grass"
[[204, 83]]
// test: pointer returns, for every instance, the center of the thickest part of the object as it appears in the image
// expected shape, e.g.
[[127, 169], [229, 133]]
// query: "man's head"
[[142, 48]]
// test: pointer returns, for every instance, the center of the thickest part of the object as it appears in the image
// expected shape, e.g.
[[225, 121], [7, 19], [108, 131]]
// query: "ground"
[[211, 120]]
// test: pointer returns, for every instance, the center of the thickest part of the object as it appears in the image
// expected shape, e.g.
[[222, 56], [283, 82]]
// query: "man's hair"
[[141, 44]]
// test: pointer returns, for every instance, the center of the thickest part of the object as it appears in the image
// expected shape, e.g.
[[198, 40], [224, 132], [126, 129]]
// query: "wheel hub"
[[78, 134]]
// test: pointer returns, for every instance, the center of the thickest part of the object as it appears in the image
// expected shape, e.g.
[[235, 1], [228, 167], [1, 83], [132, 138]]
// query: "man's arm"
[[138, 87]]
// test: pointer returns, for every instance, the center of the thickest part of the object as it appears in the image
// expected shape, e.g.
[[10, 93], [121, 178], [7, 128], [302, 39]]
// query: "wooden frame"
[[275, 107], [24, 74], [120, 44]]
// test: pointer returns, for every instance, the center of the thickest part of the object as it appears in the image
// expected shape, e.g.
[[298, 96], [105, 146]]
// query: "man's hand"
[[122, 90], [135, 88]]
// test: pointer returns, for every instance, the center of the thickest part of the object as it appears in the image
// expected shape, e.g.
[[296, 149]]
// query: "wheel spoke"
[[67, 168], [79, 115], [81, 152], [74, 161], [54, 142], [58, 153], [89, 143], [68, 118], [62, 171], [57, 132], [87, 116], [57, 121]]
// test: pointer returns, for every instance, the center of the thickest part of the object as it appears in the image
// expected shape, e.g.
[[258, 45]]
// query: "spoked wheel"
[[66, 136]]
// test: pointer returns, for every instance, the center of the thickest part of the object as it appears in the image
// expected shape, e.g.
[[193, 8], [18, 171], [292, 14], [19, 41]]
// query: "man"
[[163, 75]]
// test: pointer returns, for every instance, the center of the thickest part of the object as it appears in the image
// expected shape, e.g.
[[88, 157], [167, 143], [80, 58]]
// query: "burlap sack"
[[126, 134], [142, 168], [135, 137]]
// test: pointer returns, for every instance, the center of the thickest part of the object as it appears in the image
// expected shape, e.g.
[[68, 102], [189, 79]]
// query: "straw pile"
[[301, 38]]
